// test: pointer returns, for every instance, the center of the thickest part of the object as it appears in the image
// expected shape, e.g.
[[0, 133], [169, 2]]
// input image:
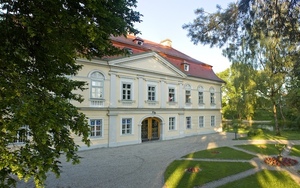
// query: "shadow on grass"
[[220, 153], [177, 176], [264, 179]]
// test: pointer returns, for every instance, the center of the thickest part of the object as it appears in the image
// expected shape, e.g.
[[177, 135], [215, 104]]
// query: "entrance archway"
[[150, 129]]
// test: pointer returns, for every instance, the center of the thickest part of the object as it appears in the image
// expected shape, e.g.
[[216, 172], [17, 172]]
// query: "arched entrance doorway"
[[150, 129]]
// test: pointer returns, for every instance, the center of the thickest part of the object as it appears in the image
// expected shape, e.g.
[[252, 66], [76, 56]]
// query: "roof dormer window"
[[138, 41], [186, 67]]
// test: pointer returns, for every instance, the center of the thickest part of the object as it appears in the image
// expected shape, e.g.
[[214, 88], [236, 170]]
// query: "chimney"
[[166, 42]]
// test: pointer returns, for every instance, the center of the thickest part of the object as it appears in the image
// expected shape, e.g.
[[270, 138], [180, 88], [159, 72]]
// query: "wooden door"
[[150, 129]]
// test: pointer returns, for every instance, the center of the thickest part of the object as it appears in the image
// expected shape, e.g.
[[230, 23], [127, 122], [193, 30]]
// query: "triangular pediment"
[[149, 62]]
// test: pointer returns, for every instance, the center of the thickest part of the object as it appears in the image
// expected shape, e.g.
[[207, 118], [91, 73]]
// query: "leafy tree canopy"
[[39, 42], [261, 33]]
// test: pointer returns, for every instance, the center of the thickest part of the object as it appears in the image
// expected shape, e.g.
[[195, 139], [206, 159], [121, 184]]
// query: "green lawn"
[[220, 153], [265, 149], [176, 176], [295, 151], [265, 179], [270, 135]]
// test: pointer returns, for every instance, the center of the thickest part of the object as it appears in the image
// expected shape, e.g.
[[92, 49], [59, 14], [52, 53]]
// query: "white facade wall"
[[142, 72]]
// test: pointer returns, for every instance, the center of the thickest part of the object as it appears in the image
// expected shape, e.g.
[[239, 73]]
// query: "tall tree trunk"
[[276, 119]]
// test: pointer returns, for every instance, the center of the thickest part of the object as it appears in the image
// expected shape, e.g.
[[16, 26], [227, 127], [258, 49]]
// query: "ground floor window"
[[126, 126], [96, 127], [188, 123], [201, 121], [171, 123], [213, 121]]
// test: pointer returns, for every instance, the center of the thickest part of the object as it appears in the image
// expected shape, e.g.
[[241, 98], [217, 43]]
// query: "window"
[[212, 121], [97, 85], [96, 128], [151, 93], [188, 122], [171, 94], [186, 67], [212, 95], [22, 134], [126, 91], [171, 123], [126, 126], [201, 121], [200, 95], [187, 96]]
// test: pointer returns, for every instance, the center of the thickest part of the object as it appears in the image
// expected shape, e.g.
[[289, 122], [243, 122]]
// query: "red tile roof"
[[196, 68]]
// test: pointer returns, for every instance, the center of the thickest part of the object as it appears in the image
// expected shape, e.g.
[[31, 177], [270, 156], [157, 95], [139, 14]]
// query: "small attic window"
[[138, 41], [186, 67], [129, 50]]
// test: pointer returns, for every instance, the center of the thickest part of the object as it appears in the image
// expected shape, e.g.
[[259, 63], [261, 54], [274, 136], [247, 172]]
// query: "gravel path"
[[143, 165]]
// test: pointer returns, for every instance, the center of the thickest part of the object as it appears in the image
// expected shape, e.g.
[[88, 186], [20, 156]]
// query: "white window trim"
[[212, 98], [132, 126], [172, 87], [127, 81], [203, 122], [200, 89], [186, 67], [97, 80], [186, 123], [102, 128], [174, 124], [214, 122], [155, 92]]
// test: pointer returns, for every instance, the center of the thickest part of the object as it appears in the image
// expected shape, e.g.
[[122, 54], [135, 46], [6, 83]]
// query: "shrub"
[[255, 132]]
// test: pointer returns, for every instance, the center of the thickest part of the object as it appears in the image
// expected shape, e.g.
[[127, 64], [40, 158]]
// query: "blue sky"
[[164, 19]]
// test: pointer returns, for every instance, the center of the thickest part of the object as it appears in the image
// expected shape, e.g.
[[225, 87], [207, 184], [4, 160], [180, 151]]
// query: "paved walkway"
[[143, 165]]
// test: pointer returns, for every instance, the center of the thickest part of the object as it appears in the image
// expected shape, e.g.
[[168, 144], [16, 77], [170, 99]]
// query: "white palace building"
[[156, 93]]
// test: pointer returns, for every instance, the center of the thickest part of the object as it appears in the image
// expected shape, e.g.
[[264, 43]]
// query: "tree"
[[39, 43], [239, 92], [264, 33]]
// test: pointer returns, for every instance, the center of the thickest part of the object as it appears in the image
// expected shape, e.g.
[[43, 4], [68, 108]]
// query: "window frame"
[[95, 128], [124, 127], [212, 96], [172, 94], [19, 136], [126, 91], [153, 93], [188, 122], [172, 123], [200, 97], [186, 67], [212, 121], [99, 78], [201, 123]]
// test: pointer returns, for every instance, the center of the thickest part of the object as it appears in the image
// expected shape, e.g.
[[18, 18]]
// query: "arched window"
[[200, 95], [97, 85], [212, 96]]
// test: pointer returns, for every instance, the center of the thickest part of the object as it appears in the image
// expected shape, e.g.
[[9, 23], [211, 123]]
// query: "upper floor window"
[[200, 95], [171, 94], [126, 91], [97, 85], [126, 126], [212, 95], [171, 123], [151, 93], [188, 94], [188, 122], [96, 128]]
